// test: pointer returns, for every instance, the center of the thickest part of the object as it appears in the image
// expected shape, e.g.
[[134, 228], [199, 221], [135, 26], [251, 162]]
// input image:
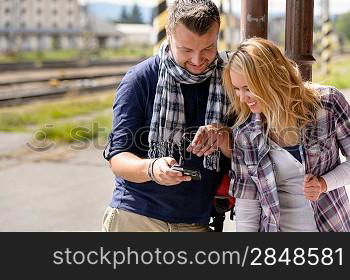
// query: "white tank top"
[[296, 211]]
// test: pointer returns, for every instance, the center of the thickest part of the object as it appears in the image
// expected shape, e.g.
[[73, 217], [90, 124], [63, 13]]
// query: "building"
[[103, 34], [49, 24], [136, 34]]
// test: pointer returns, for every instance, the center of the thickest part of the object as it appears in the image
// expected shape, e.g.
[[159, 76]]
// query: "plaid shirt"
[[252, 175]]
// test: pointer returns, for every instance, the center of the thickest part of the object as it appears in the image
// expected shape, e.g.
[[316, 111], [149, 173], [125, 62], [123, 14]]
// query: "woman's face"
[[242, 91]]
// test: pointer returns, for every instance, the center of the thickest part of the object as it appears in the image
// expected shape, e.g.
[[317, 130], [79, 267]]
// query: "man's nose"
[[197, 59]]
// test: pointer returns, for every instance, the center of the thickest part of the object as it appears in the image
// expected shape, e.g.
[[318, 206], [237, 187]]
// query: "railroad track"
[[33, 66], [84, 86], [28, 86]]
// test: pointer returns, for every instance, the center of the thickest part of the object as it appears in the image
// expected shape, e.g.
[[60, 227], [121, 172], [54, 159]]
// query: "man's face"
[[192, 51]]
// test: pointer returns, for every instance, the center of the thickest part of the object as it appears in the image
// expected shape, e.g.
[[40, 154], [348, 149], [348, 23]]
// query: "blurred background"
[[60, 63]]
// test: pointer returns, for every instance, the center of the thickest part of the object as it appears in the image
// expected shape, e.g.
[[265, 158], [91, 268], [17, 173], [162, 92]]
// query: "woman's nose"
[[242, 96]]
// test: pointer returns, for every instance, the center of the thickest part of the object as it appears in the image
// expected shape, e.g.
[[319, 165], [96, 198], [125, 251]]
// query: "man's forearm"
[[130, 167]]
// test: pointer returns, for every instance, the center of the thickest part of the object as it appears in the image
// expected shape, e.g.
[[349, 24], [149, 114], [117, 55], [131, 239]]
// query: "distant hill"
[[109, 11]]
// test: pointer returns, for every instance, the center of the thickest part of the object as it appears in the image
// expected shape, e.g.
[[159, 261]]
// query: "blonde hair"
[[275, 81]]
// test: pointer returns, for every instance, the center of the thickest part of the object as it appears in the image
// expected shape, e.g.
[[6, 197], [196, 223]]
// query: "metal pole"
[[254, 17], [159, 23], [299, 34], [230, 26], [223, 26], [326, 38]]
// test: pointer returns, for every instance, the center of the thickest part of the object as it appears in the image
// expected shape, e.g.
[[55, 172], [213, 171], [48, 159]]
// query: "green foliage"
[[134, 16], [127, 51], [28, 116], [342, 24], [74, 54], [77, 132], [124, 15], [12, 121], [339, 73]]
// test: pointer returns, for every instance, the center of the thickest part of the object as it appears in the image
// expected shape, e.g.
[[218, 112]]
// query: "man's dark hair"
[[197, 15]]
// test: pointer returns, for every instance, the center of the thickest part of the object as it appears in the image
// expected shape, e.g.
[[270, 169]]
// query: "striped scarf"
[[168, 119]]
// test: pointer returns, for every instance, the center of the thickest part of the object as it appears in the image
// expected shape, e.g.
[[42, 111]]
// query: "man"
[[159, 104]]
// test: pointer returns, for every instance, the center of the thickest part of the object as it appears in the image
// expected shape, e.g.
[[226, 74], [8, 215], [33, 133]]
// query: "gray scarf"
[[168, 119]]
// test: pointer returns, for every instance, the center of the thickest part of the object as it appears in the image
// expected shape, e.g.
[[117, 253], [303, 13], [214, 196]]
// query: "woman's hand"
[[210, 138], [314, 186]]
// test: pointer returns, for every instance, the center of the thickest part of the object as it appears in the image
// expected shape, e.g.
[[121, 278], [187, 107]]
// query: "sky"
[[275, 6]]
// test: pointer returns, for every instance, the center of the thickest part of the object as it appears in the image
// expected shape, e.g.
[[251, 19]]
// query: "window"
[[39, 11], [7, 24], [23, 11], [7, 10], [23, 25], [39, 25], [54, 12]]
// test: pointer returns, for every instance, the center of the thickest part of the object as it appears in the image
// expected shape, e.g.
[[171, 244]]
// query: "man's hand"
[[314, 186], [209, 138], [164, 175]]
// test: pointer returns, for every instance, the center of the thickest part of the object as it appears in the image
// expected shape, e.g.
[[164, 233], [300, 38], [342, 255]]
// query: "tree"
[[135, 16], [124, 17]]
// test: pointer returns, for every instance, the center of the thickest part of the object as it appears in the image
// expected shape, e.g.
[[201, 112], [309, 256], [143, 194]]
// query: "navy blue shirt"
[[188, 202], [294, 151]]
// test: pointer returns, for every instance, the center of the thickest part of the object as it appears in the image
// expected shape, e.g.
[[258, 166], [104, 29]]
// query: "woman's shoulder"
[[329, 96], [332, 99], [327, 93]]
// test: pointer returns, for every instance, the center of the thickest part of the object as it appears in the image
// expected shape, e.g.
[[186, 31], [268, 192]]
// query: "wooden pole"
[[299, 35], [254, 16]]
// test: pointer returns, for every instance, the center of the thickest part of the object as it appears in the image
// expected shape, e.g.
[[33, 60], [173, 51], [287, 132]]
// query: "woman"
[[286, 172]]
